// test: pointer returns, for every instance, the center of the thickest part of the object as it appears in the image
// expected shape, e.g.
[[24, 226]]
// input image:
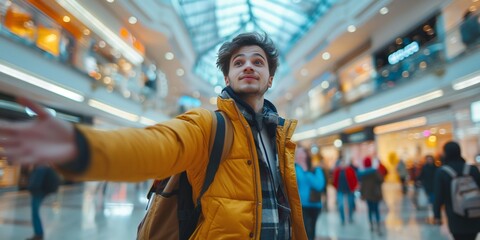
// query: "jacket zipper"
[[248, 130]]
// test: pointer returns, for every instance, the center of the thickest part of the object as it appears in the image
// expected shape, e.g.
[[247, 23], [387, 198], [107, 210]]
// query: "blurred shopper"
[[327, 173], [43, 181], [311, 182], [371, 191], [402, 172], [377, 164], [470, 28], [462, 228], [382, 169], [345, 181], [254, 194], [426, 178]]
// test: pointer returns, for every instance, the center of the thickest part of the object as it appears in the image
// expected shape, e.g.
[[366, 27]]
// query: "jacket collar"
[[268, 116]]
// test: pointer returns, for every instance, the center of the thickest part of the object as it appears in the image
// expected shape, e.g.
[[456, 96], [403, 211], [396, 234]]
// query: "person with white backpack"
[[457, 187]]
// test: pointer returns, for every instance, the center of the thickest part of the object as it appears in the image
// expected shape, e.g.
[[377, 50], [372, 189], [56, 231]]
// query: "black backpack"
[[172, 213]]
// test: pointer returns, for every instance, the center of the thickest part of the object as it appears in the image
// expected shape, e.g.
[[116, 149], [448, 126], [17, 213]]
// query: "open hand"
[[44, 140]]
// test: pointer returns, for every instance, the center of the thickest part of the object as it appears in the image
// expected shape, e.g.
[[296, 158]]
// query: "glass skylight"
[[211, 22]]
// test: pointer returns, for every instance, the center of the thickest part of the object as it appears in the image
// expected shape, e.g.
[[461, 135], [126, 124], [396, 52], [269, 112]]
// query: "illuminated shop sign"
[[403, 53], [405, 45]]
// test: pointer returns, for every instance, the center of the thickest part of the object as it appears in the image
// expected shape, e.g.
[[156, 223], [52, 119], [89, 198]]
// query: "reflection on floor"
[[97, 211]]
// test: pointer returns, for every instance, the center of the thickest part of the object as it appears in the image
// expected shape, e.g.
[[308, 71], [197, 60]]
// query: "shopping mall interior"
[[393, 80]]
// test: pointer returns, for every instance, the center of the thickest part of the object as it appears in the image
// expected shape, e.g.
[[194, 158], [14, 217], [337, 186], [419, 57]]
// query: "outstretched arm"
[[44, 140], [130, 154]]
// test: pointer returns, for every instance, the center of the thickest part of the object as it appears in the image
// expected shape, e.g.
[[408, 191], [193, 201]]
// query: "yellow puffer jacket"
[[231, 207]]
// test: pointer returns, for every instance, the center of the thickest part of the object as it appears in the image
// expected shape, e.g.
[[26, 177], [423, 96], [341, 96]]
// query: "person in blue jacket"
[[310, 180]]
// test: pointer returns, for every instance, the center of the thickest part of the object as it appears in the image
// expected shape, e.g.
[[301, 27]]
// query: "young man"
[[254, 195], [462, 228]]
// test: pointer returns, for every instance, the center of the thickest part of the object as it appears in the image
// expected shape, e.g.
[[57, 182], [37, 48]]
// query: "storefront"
[[358, 144], [356, 78], [410, 55], [410, 140]]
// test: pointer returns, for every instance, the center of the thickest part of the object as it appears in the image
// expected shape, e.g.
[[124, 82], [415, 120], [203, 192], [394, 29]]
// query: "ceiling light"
[[304, 72], [397, 126], [334, 126], [31, 113], [110, 1], [337, 143], [113, 110], [147, 121], [383, 10], [28, 78], [351, 28], [66, 19], [325, 84], [398, 106], [102, 31], [132, 20], [304, 135], [180, 72], [326, 55], [169, 56], [196, 94], [467, 81], [322, 130], [218, 89]]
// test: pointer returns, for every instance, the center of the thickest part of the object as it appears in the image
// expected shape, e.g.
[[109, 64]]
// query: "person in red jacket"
[[345, 181]]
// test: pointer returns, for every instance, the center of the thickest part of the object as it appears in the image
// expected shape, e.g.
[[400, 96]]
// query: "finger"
[[9, 142], [16, 155], [36, 108], [12, 129]]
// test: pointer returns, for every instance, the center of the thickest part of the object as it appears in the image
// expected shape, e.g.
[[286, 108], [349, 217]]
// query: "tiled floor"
[[81, 212]]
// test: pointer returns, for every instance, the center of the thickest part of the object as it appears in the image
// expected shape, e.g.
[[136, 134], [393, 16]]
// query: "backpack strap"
[[466, 169], [222, 133], [450, 171]]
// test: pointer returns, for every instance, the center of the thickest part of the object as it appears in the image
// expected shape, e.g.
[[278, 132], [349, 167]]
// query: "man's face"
[[248, 73]]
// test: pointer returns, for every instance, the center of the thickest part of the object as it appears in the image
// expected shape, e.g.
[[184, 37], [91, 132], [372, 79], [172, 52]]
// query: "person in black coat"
[[42, 181], [461, 227], [427, 177]]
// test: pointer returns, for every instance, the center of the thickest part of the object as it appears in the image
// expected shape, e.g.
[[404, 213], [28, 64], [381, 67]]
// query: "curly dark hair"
[[248, 39]]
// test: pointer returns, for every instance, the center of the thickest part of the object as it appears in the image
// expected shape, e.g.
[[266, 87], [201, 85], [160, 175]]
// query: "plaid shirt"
[[275, 207], [275, 210]]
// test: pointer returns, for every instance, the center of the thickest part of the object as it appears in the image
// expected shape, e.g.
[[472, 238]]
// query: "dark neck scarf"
[[268, 115]]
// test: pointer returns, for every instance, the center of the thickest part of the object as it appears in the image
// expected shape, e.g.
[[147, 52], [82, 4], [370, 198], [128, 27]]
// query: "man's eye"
[[237, 63], [258, 62]]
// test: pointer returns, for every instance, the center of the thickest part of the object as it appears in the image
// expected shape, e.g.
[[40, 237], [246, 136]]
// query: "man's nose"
[[248, 67]]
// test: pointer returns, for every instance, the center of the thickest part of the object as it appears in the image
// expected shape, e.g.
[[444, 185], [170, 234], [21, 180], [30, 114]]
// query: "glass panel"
[[284, 20]]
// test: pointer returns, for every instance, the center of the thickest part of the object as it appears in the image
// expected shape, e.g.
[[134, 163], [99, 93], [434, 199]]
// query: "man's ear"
[[227, 81], [270, 81]]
